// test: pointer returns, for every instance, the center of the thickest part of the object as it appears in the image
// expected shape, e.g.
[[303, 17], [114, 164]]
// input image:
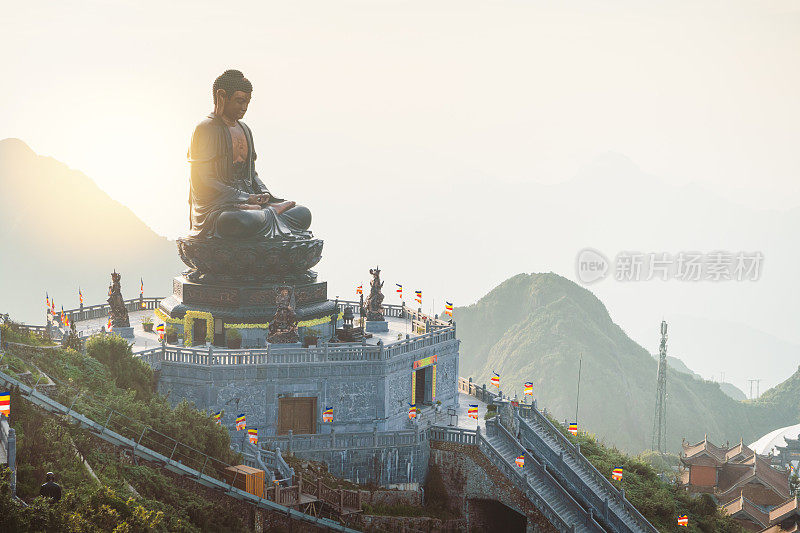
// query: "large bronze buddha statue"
[[239, 231], [227, 198]]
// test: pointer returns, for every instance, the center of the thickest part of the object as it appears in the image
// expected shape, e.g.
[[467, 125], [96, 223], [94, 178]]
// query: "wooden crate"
[[246, 478]]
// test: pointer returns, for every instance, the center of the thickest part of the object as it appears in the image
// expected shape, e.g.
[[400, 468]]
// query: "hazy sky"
[[387, 101], [692, 91]]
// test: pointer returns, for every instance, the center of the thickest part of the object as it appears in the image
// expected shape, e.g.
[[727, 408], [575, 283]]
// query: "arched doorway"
[[491, 515]]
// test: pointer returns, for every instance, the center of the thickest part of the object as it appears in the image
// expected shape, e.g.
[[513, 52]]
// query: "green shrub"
[[129, 372]]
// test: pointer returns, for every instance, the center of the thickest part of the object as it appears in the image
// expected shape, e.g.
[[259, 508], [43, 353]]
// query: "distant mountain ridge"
[[59, 231], [535, 327]]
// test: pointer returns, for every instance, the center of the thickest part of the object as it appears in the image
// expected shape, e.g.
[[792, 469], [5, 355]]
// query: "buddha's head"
[[231, 92]]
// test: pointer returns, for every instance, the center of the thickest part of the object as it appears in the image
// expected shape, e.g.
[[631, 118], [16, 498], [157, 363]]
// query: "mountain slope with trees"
[[536, 327]]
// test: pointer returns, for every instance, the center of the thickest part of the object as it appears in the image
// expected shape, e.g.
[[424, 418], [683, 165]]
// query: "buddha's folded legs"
[[265, 222]]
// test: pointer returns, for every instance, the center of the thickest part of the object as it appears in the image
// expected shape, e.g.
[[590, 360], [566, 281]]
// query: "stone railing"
[[475, 438], [89, 312], [342, 440], [400, 311], [211, 356], [479, 391], [8, 439], [630, 520]]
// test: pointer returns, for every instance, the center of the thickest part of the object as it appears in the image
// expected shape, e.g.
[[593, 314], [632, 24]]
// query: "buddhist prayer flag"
[[327, 414], [412, 411], [573, 428], [53, 307], [616, 474], [253, 434], [240, 422], [418, 296], [108, 327], [528, 389], [5, 403], [520, 461], [80, 295], [399, 290], [160, 328], [218, 417], [495, 380], [141, 287], [683, 520], [448, 308], [360, 289], [47, 299], [472, 412]]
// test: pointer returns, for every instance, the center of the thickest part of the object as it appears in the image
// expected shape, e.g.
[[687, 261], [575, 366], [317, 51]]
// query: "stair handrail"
[[587, 465], [587, 516], [111, 436]]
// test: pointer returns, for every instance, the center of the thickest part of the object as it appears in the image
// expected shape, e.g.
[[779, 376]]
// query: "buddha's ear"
[[220, 98]]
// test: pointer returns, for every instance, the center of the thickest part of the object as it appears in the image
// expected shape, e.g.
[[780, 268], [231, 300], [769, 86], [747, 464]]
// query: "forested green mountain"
[[536, 327]]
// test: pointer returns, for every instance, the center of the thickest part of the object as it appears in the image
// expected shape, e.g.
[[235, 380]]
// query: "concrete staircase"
[[577, 475], [537, 482]]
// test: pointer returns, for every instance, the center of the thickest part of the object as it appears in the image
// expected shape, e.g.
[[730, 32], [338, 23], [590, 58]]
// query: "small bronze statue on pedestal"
[[375, 298], [283, 326], [119, 314]]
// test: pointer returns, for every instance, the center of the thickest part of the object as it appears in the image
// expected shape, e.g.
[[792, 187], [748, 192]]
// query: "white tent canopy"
[[767, 443]]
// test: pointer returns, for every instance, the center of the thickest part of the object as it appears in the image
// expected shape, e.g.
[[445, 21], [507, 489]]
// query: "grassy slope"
[[535, 327], [45, 443]]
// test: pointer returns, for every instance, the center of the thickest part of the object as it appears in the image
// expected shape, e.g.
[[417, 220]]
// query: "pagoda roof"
[[759, 472], [784, 511], [704, 447], [739, 453], [743, 509]]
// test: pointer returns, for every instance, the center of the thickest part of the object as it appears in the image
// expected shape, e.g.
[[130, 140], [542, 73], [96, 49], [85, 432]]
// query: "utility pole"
[[758, 384], [660, 417]]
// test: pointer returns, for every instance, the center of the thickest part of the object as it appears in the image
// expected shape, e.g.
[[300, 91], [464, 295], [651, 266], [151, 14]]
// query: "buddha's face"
[[236, 106]]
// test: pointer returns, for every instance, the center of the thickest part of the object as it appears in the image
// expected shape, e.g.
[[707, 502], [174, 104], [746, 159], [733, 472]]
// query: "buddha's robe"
[[217, 185]]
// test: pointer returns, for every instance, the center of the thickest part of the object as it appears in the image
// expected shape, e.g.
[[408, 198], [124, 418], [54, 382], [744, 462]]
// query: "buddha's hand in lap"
[[259, 199], [247, 207]]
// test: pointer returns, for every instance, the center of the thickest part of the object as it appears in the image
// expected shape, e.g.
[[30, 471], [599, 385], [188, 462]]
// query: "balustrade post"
[[11, 453], [289, 444], [622, 492], [341, 500], [578, 447], [319, 489]]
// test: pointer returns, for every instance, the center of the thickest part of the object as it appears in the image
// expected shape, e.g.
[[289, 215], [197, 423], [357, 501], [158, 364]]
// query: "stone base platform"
[[376, 326], [245, 303], [125, 333]]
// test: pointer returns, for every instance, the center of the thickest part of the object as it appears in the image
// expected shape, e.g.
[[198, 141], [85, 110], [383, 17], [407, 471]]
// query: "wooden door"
[[297, 414], [199, 331]]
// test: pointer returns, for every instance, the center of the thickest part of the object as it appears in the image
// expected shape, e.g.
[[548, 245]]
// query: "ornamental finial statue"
[[227, 198], [119, 314], [375, 298]]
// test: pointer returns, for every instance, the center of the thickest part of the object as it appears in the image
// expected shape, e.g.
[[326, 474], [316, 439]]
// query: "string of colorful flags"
[[448, 306]]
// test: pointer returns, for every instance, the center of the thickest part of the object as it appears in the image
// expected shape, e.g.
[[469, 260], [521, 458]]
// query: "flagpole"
[[578, 396]]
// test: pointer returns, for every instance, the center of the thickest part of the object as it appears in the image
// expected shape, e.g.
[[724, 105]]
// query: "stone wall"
[[364, 394], [355, 390], [377, 466], [398, 384], [471, 480]]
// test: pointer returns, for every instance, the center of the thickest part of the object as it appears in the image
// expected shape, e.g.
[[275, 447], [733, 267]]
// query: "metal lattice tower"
[[660, 417]]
